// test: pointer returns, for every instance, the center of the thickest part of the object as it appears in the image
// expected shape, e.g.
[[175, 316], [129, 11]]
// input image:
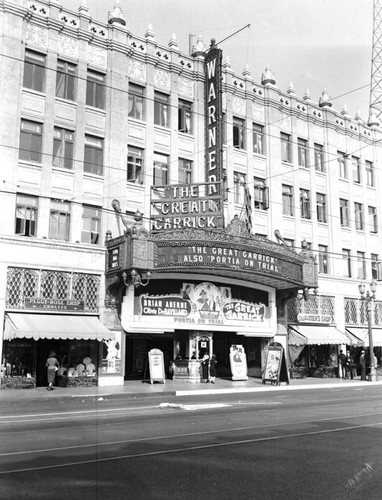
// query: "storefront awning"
[[318, 335], [51, 326], [363, 335]]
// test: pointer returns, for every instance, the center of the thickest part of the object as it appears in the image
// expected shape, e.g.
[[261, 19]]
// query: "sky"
[[316, 44]]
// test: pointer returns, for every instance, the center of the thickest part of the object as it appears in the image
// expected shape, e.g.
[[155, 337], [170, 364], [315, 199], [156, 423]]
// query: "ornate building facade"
[[212, 199]]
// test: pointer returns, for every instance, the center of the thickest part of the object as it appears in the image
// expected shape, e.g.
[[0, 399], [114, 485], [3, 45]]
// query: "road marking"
[[191, 448], [208, 406]]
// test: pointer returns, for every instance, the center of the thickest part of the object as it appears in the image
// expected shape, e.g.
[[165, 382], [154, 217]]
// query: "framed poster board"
[[238, 361], [275, 365], [156, 366]]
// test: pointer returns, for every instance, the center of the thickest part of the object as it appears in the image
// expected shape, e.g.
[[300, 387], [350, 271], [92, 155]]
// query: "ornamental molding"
[[238, 105], [68, 46], [258, 112], [37, 35], [137, 70], [186, 87], [97, 56], [162, 79]]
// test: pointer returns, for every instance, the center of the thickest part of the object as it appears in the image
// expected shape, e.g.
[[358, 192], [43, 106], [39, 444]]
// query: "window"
[[185, 171], [34, 71], [373, 227], [134, 165], [160, 174], [356, 169], [358, 215], [375, 267], [93, 163], [135, 101], [260, 197], [59, 220], [286, 149], [342, 167], [361, 266], [346, 258], [238, 133], [95, 90], [26, 215], [369, 173], [302, 150], [30, 141], [185, 116], [258, 139], [323, 259], [161, 109], [65, 80], [321, 207], [305, 203], [287, 193], [63, 148], [344, 213], [91, 225], [239, 183], [319, 158]]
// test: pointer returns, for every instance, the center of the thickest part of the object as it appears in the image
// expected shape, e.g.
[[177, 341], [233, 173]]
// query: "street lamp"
[[369, 298]]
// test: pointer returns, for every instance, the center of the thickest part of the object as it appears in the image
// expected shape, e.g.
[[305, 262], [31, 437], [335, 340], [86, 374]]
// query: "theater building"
[[157, 199]]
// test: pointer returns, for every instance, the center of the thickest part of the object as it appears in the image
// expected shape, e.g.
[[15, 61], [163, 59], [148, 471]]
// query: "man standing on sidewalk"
[[342, 367]]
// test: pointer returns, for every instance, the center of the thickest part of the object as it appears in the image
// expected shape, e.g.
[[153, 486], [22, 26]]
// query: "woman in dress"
[[213, 368], [52, 366]]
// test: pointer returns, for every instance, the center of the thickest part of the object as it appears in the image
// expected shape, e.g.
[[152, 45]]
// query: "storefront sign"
[[213, 113], [54, 304], [314, 318], [203, 304], [185, 207]]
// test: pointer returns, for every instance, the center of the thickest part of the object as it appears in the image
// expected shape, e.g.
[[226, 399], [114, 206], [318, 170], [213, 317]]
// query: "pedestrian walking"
[[52, 367], [362, 362], [213, 363], [205, 367], [349, 365], [342, 367]]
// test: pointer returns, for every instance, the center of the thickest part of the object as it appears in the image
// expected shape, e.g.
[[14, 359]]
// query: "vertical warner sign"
[[214, 123]]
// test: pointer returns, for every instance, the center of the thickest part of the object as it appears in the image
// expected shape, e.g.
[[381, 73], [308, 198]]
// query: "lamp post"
[[369, 297]]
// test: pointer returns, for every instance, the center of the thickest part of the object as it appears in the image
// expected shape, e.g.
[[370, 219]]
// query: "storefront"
[[51, 311]]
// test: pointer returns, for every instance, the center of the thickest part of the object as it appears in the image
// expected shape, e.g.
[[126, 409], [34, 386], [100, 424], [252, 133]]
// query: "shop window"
[[238, 133], [95, 89], [93, 163], [305, 203], [161, 109], [65, 80], [59, 220], [185, 116], [344, 213], [91, 225], [319, 158], [286, 148], [239, 184], [185, 171], [342, 166], [34, 71], [302, 152], [321, 207], [26, 215], [63, 148], [30, 141], [136, 101], [160, 173], [258, 139], [358, 214], [135, 165]]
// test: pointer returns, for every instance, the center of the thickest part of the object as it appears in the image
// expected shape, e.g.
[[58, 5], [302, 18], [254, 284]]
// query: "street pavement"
[[137, 388]]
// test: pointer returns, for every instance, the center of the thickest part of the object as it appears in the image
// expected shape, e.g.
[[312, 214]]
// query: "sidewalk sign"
[[275, 370], [238, 361], [156, 366]]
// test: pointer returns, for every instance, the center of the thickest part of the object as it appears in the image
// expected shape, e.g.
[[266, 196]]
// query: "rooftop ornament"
[[116, 15], [268, 77], [325, 101]]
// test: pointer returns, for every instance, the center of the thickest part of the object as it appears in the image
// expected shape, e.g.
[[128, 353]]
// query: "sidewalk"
[[135, 388]]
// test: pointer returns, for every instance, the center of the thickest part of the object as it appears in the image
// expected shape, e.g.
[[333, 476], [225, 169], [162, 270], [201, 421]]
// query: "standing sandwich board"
[[156, 366], [275, 370]]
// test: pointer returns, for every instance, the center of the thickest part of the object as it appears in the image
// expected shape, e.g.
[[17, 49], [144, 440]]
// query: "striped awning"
[[319, 335], [363, 335], [52, 326]]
